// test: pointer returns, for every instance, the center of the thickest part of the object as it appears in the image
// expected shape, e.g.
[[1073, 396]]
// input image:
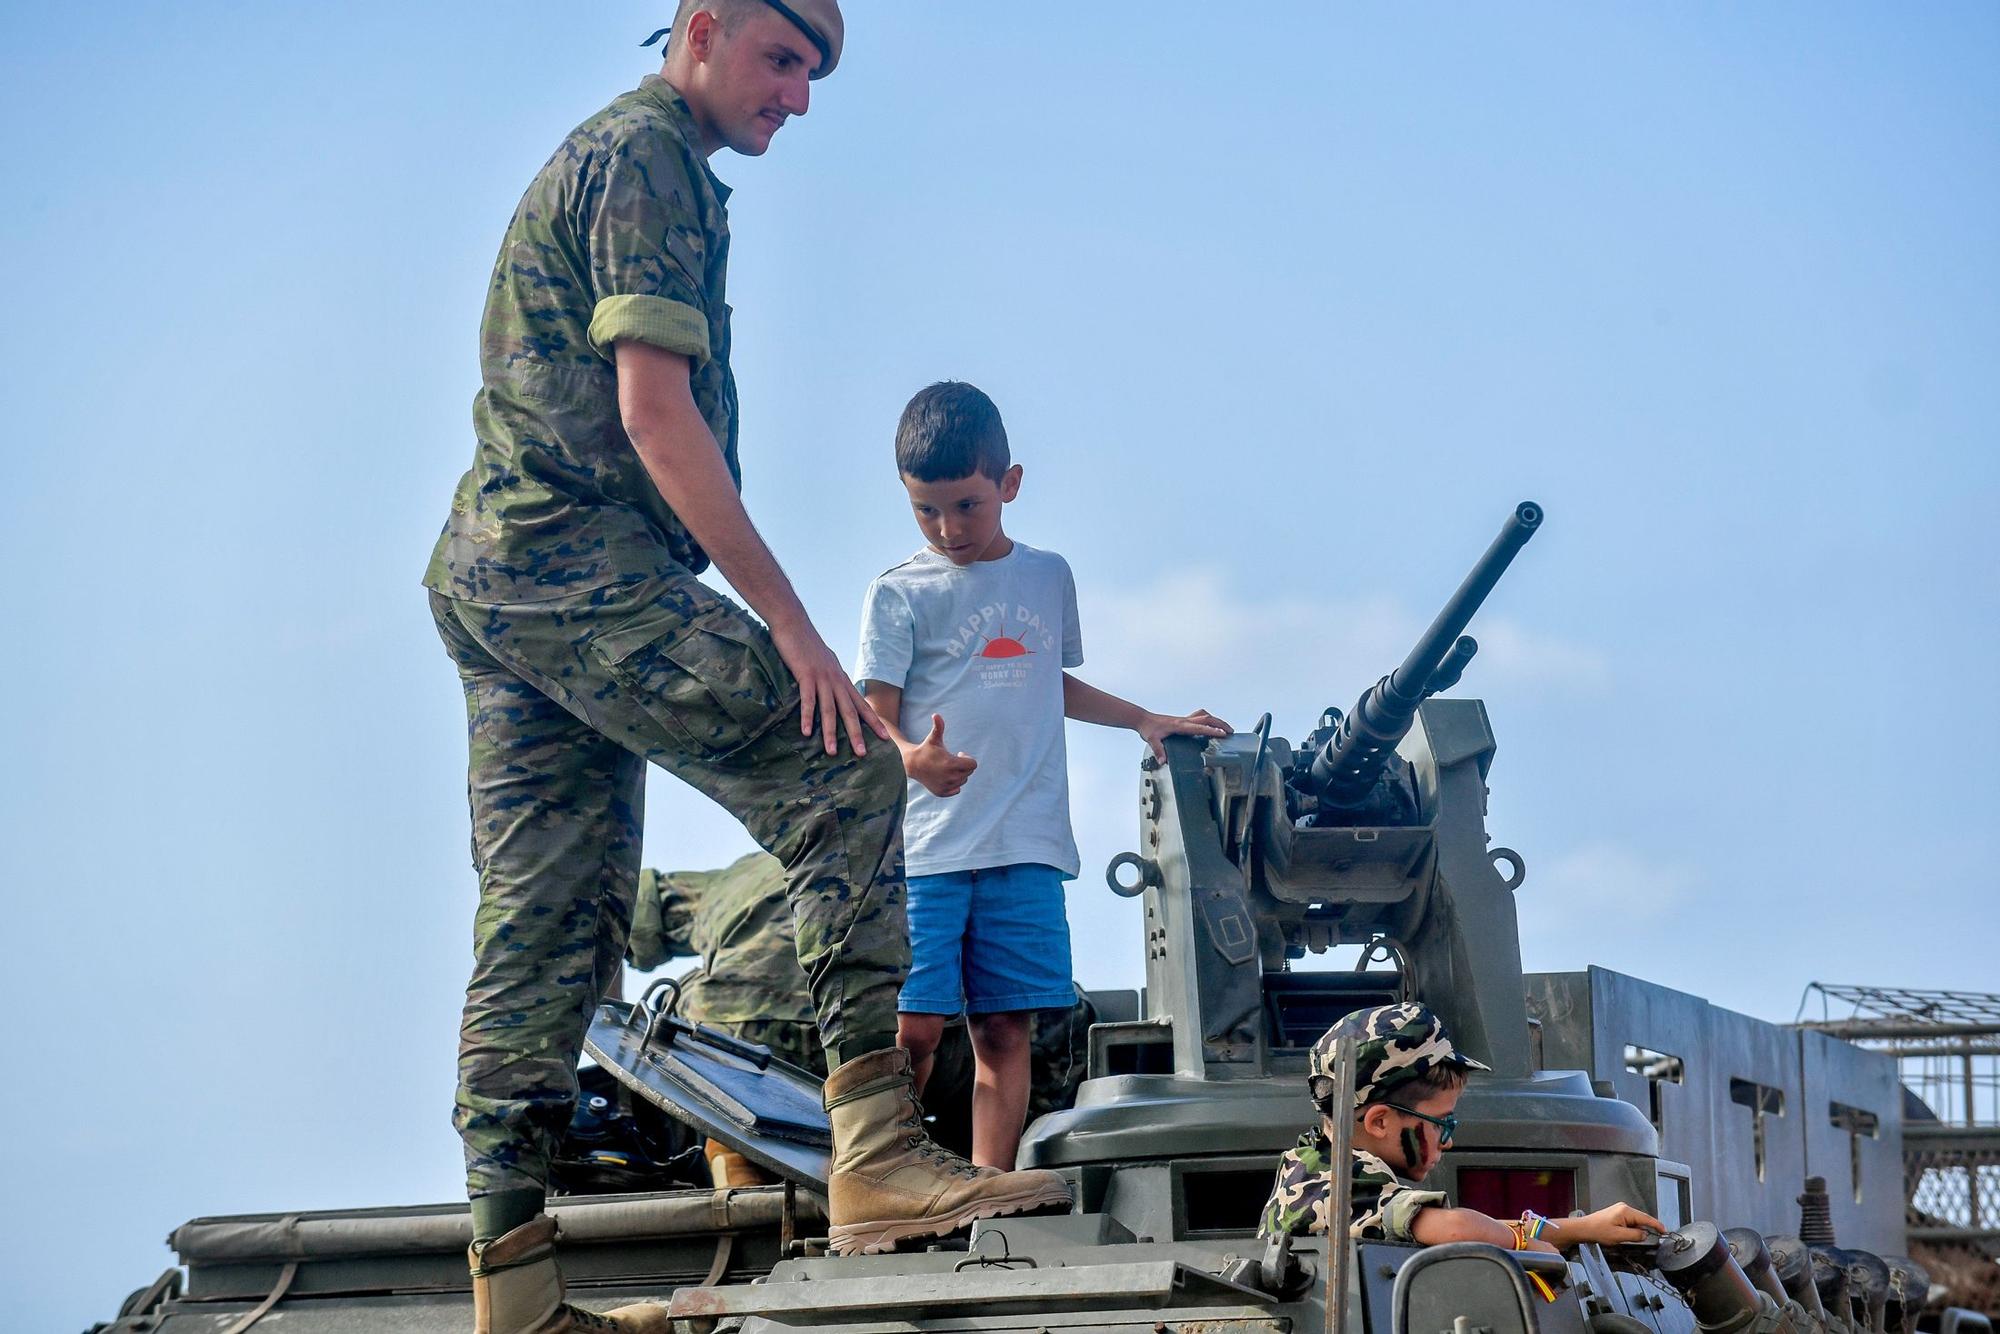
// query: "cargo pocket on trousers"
[[711, 678]]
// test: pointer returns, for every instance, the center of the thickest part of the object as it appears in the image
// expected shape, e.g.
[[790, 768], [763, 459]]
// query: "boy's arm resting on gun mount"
[[941, 771], [1608, 1226], [672, 439], [1087, 704]]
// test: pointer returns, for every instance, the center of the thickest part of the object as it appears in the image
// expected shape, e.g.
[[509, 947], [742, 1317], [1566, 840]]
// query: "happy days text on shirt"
[[999, 626]]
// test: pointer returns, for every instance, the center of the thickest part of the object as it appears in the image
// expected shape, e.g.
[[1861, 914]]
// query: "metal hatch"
[[732, 1091]]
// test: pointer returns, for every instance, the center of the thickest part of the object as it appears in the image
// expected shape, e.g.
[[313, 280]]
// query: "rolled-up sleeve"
[[643, 227], [673, 325], [1399, 1209]]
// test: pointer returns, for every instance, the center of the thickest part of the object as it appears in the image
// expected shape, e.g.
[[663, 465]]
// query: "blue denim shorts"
[[986, 941]]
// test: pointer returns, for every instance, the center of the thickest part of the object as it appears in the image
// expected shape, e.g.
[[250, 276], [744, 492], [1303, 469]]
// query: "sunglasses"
[[1447, 1125]]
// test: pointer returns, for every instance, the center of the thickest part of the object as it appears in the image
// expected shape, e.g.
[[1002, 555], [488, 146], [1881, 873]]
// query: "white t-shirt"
[[985, 646]]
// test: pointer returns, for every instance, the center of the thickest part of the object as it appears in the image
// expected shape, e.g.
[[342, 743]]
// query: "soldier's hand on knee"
[[827, 698]]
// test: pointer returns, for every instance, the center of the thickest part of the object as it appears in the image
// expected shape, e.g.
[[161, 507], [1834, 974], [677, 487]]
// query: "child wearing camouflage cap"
[[1407, 1080]]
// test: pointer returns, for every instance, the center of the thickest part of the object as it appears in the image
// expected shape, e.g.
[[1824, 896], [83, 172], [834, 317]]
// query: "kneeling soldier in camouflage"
[[1407, 1080], [749, 985], [605, 476]]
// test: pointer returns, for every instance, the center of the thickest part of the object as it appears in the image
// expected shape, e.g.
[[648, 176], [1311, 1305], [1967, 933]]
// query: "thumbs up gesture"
[[940, 771]]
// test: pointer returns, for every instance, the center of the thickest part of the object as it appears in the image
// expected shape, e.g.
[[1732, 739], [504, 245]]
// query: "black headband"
[[819, 42]]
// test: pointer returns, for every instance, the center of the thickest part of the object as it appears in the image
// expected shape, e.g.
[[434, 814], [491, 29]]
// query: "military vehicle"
[[1255, 855]]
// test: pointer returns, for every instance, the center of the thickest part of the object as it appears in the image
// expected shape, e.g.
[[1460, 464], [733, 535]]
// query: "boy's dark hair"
[[951, 430], [1437, 1079]]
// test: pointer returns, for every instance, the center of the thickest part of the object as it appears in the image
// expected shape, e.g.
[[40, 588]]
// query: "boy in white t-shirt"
[[973, 636]]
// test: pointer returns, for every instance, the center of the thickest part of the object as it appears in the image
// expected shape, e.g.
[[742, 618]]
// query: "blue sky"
[[1285, 308]]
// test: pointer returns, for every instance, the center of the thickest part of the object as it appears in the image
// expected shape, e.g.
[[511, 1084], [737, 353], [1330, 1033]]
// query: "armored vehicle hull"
[[1253, 856]]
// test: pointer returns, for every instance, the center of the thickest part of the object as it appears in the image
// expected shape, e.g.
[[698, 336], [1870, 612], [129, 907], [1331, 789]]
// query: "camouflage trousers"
[[566, 702]]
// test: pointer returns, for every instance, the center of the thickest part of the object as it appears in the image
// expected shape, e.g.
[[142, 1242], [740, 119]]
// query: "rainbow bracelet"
[[1531, 1226]]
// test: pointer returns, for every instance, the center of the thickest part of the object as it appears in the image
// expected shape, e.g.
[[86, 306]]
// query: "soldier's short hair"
[[726, 12], [951, 430]]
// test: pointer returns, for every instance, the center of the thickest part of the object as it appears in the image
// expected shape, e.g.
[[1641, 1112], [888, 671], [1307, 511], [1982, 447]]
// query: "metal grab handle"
[[1517, 866], [651, 1003], [656, 1010], [1005, 1260], [1148, 869]]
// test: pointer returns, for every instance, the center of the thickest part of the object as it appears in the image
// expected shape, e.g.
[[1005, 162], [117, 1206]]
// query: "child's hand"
[[941, 772], [1608, 1226], [1156, 727]]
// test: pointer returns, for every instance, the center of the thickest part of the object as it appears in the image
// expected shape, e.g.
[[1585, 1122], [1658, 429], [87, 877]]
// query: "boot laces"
[[920, 1140]]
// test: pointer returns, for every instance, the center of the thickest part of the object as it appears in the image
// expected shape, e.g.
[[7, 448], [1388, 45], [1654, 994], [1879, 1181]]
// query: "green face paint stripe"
[[1413, 1149]]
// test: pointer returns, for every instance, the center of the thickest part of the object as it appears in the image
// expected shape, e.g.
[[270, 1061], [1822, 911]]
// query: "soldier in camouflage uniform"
[[737, 922], [1407, 1081], [604, 478]]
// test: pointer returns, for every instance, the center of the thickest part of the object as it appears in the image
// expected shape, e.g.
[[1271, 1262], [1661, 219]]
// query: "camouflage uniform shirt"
[[1383, 1207], [622, 235], [739, 923]]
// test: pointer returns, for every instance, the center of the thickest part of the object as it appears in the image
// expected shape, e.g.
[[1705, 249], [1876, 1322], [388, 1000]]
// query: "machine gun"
[[1372, 832], [1342, 784]]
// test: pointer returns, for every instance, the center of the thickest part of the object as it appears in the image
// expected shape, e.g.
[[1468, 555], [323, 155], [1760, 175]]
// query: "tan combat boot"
[[891, 1182], [728, 1169], [517, 1289]]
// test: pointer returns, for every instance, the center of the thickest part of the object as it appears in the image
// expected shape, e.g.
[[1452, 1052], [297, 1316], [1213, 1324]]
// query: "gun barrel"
[[1347, 766], [1410, 679]]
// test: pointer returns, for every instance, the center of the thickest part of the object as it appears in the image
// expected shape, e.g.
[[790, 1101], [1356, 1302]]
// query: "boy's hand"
[[1609, 1226], [1156, 727], [941, 772]]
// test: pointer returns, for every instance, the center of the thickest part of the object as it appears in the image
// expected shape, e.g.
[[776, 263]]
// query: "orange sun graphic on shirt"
[[1004, 646]]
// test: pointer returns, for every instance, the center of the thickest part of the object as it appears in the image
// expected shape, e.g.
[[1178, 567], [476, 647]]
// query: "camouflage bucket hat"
[[1393, 1044]]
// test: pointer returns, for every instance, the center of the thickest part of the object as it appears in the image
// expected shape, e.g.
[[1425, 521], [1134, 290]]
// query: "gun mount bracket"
[[1148, 869], [1513, 867]]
